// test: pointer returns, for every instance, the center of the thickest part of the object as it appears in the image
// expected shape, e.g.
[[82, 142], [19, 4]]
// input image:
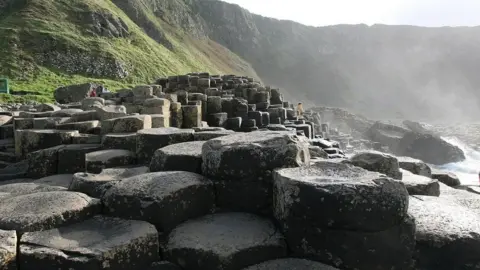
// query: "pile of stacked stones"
[[99, 188]]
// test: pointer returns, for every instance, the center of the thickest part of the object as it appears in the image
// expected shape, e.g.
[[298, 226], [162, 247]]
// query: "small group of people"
[[95, 92]]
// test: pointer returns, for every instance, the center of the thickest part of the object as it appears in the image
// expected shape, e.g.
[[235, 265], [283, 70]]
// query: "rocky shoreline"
[[203, 171]]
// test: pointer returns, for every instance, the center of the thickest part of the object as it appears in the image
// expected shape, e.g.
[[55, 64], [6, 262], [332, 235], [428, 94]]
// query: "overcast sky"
[[328, 12]]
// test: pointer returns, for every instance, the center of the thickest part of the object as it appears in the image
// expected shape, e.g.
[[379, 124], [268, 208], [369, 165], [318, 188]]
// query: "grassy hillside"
[[49, 43]]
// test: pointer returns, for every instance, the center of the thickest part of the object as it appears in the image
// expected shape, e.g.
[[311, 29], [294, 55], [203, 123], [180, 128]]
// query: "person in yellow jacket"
[[300, 110]]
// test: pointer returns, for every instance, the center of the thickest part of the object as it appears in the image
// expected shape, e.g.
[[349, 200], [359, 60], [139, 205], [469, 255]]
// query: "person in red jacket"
[[93, 93]]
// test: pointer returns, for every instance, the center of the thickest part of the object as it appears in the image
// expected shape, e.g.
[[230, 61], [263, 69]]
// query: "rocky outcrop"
[[429, 148], [405, 142]]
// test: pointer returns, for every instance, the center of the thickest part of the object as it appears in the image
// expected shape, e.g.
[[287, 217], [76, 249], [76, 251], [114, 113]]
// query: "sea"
[[467, 170]]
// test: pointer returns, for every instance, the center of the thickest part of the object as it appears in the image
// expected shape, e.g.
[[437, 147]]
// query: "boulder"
[[95, 185], [8, 250], [448, 234], [82, 127], [73, 93], [387, 134], [47, 107], [65, 112], [127, 124], [317, 152], [241, 165], [43, 162], [448, 178], [27, 188], [46, 210], [125, 141], [429, 148], [87, 139], [58, 180], [164, 199], [213, 242], [290, 264], [90, 103], [27, 141], [149, 140], [71, 158], [359, 208], [178, 157], [378, 162], [110, 112], [192, 116], [415, 166], [84, 116], [96, 161], [96, 243], [420, 185]]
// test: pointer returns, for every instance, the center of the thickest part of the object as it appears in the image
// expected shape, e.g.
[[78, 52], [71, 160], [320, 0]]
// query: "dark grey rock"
[[95, 185], [378, 162], [348, 197], [71, 158], [96, 161], [317, 152], [241, 165], [448, 234], [164, 199], [290, 264], [45, 210], [97, 243], [28, 188], [125, 141], [420, 185], [163, 265], [224, 241], [149, 140], [178, 157], [448, 178], [415, 166], [58, 180]]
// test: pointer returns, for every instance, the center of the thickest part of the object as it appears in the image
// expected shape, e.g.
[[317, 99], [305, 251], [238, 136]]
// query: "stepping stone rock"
[[224, 241], [97, 243], [334, 189], [82, 127], [96, 161], [65, 112], [448, 234], [59, 180], [27, 141], [420, 185], [71, 158], [149, 140], [8, 250], [110, 112], [125, 141], [178, 157], [84, 116], [317, 152], [43, 162], [359, 208], [46, 210], [449, 179], [95, 185], [127, 124], [415, 166], [291, 264], [87, 139], [164, 199], [378, 162], [240, 165], [207, 135], [28, 188]]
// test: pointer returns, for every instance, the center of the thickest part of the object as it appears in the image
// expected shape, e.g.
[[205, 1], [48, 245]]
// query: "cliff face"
[[381, 71]]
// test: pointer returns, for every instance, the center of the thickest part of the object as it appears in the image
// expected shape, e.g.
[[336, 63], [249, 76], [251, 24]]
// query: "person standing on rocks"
[[300, 110]]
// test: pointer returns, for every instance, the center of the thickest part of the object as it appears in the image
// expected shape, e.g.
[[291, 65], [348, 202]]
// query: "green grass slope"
[[49, 43]]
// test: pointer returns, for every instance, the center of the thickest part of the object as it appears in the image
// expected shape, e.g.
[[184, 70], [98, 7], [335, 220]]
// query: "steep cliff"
[[381, 71]]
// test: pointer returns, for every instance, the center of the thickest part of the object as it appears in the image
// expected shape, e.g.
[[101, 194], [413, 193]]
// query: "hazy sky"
[[328, 12]]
